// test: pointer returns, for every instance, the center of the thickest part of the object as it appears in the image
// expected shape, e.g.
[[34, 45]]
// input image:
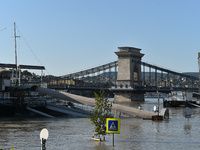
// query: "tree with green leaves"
[[26, 73], [101, 111]]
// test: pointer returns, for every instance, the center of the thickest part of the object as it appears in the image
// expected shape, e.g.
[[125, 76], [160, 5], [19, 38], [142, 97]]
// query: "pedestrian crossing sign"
[[113, 125]]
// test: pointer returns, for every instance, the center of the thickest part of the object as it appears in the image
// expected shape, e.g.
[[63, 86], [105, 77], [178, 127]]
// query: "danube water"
[[75, 133]]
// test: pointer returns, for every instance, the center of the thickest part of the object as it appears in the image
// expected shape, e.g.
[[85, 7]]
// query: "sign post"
[[113, 126]]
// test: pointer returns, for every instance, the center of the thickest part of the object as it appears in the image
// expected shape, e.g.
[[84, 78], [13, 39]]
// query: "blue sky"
[[71, 35]]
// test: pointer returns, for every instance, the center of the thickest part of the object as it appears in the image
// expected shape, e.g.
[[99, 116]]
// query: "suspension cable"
[[3, 29]]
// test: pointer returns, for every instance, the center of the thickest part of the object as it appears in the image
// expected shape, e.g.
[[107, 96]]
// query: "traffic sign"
[[113, 125]]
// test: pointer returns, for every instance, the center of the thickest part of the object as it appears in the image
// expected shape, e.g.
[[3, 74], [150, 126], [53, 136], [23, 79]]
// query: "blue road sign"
[[113, 125]]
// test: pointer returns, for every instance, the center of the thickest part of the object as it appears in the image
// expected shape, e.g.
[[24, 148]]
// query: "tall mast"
[[15, 36], [198, 57], [15, 44]]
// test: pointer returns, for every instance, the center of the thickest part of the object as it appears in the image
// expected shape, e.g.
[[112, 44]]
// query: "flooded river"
[[76, 133]]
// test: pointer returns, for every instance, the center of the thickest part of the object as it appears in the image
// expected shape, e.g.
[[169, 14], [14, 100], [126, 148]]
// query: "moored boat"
[[180, 99], [7, 110]]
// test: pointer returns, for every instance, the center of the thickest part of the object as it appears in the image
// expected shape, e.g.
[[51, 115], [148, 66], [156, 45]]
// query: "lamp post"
[[44, 134]]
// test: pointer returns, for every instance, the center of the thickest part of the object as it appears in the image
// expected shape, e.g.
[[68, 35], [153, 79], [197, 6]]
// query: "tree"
[[26, 73], [101, 111]]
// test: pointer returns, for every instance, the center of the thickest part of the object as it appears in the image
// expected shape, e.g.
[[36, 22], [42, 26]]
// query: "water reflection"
[[187, 126], [103, 145], [156, 126]]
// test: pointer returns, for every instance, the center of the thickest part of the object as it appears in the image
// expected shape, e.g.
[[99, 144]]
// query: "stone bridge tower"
[[129, 76]]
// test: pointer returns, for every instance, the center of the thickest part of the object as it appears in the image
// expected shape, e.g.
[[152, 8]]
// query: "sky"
[[67, 36]]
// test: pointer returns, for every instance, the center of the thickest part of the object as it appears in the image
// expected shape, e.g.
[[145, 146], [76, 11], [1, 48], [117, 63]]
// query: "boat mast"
[[15, 44], [198, 57], [15, 36]]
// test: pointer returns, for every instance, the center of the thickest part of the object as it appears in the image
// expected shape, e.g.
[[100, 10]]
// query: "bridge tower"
[[129, 76]]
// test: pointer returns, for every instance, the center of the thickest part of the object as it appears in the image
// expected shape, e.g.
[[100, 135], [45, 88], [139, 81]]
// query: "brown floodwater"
[[76, 133]]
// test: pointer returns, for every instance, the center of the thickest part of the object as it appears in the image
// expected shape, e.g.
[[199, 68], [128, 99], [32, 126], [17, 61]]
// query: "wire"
[[3, 29], [31, 49]]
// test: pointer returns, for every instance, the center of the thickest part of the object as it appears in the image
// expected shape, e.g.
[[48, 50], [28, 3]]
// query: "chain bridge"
[[104, 76], [128, 73]]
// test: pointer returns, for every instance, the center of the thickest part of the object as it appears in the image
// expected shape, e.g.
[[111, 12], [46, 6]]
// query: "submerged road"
[[137, 113], [118, 107]]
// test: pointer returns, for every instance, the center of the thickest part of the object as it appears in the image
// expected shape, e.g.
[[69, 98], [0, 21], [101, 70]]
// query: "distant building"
[[4, 78]]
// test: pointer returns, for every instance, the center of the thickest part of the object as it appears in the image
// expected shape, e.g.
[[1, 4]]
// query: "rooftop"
[[129, 49]]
